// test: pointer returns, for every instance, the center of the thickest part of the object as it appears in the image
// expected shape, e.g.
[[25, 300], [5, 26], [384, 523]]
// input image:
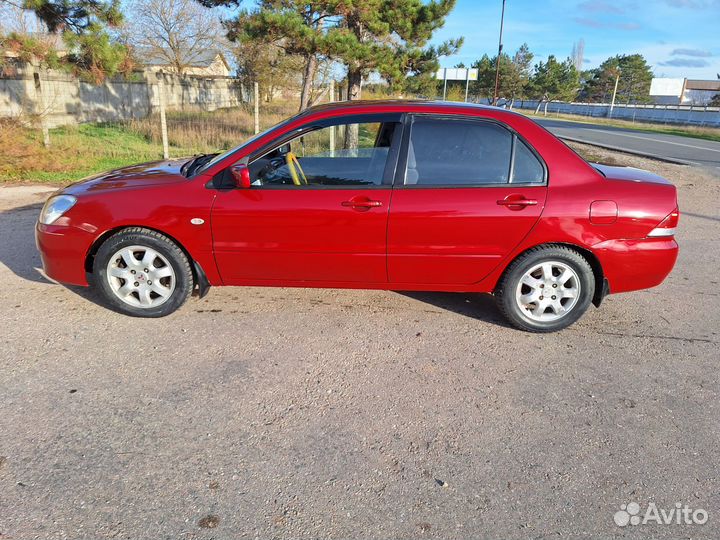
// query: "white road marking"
[[658, 140]]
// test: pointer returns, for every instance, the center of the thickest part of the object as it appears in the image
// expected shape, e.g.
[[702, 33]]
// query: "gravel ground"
[[286, 413]]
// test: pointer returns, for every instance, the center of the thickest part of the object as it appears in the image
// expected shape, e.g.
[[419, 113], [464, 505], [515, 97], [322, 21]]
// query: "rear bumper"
[[630, 265], [63, 250]]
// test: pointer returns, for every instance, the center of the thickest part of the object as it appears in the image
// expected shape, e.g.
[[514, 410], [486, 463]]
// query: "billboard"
[[457, 74], [662, 86]]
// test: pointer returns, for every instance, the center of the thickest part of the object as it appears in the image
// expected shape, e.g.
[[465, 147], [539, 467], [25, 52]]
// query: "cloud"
[[599, 6], [693, 4], [686, 62], [594, 23], [698, 53]]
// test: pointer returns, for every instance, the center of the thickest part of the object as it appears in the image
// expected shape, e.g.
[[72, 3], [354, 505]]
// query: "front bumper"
[[630, 265], [63, 250]]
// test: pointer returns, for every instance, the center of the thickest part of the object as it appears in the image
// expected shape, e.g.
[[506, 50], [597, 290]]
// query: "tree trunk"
[[354, 84], [354, 92], [311, 65]]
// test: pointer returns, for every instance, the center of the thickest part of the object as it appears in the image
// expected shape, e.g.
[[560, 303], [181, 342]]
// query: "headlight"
[[55, 207]]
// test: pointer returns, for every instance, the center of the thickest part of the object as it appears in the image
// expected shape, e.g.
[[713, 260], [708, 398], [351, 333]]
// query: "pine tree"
[[387, 37], [295, 26], [633, 84], [553, 80], [383, 36], [514, 74], [83, 24], [484, 86]]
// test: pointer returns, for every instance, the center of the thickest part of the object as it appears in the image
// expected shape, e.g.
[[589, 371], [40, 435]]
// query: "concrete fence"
[[58, 98], [663, 114]]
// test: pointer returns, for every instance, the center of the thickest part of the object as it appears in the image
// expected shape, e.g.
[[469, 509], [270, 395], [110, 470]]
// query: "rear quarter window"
[[527, 168]]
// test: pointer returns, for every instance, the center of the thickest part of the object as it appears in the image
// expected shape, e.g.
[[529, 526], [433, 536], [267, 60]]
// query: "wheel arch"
[[200, 279], [602, 287]]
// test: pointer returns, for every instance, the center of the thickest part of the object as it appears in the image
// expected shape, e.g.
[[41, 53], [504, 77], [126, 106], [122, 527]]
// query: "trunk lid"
[[630, 174]]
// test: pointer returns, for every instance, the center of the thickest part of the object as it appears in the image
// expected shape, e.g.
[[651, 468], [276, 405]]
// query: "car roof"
[[452, 107]]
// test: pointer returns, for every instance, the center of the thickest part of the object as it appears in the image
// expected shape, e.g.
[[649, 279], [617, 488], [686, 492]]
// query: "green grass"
[[95, 148], [79, 151], [697, 132], [75, 152]]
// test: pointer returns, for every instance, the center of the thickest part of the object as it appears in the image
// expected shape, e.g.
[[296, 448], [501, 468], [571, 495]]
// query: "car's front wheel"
[[142, 273], [546, 289]]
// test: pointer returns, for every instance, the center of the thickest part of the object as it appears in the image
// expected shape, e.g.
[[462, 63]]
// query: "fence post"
[[40, 110], [256, 96], [163, 120], [332, 128]]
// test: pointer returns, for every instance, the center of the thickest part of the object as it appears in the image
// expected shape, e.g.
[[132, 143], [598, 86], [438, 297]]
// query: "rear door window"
[[447, 152]]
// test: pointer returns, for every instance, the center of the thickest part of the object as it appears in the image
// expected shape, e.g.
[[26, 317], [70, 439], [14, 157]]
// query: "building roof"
[[201, 59], [697, 84]]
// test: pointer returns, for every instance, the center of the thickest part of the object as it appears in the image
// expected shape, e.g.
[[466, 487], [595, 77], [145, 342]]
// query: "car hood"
[[629, 173], [144, 174]]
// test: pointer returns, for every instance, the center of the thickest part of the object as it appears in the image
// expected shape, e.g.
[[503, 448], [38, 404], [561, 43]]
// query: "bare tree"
[[15, 18], [578, 54], [175, 31], [268, 65]]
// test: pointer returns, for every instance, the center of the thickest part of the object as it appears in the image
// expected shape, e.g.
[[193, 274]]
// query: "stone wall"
[[60, 98]]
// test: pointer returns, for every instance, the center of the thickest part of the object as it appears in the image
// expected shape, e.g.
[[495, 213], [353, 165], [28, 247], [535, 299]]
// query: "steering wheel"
[[296, 172]]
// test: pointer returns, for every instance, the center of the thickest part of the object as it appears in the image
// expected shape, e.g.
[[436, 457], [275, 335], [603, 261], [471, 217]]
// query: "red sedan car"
[[398, 195]]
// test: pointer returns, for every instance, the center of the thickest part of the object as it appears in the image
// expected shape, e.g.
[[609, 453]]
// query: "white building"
[[667, 91]]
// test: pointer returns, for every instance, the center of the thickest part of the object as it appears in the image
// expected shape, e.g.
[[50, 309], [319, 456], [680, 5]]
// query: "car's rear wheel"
[[546, 289], [142, 273]]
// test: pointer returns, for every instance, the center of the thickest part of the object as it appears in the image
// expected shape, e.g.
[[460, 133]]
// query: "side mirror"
[[241, 176]]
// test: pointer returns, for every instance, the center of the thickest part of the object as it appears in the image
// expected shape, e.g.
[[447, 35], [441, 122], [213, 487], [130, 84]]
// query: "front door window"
[[345, 155]]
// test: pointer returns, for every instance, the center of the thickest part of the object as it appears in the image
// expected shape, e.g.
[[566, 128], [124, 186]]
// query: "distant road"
[[672, 147]]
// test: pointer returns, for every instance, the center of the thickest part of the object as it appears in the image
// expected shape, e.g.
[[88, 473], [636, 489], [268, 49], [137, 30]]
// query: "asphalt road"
[[683, 149], [290, 413]]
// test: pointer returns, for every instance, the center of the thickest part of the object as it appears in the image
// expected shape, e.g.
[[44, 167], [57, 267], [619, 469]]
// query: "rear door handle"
[[509, 201]]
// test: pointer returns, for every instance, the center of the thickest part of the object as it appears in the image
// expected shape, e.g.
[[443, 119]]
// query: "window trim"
[[401, 169], [367, 118]]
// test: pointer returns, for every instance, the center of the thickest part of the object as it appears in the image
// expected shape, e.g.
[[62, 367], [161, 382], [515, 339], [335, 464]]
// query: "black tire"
[[138, 236], [508, 285]]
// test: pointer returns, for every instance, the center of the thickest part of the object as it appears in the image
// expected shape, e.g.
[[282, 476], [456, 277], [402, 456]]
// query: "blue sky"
[[679, 38]]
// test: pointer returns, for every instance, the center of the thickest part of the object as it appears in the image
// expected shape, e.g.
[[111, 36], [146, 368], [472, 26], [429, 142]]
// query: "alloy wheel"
[[548, 291], [140, 276]]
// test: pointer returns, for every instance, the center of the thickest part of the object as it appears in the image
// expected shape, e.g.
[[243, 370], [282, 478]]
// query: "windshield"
[[223, 155]]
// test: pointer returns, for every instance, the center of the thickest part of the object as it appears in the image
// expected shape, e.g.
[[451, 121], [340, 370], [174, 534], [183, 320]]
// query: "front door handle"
[[361, 203], [517, 201]]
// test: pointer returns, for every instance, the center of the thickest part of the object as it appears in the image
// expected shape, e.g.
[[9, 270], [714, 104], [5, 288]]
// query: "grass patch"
[[75, 152], [79, 151], [697, 132]]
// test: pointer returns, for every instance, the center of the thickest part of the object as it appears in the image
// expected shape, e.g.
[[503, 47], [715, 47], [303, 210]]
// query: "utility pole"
[[612, 103], [497, 62]]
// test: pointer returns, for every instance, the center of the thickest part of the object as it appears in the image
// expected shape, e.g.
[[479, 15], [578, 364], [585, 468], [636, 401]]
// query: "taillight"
[[668, 225]]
